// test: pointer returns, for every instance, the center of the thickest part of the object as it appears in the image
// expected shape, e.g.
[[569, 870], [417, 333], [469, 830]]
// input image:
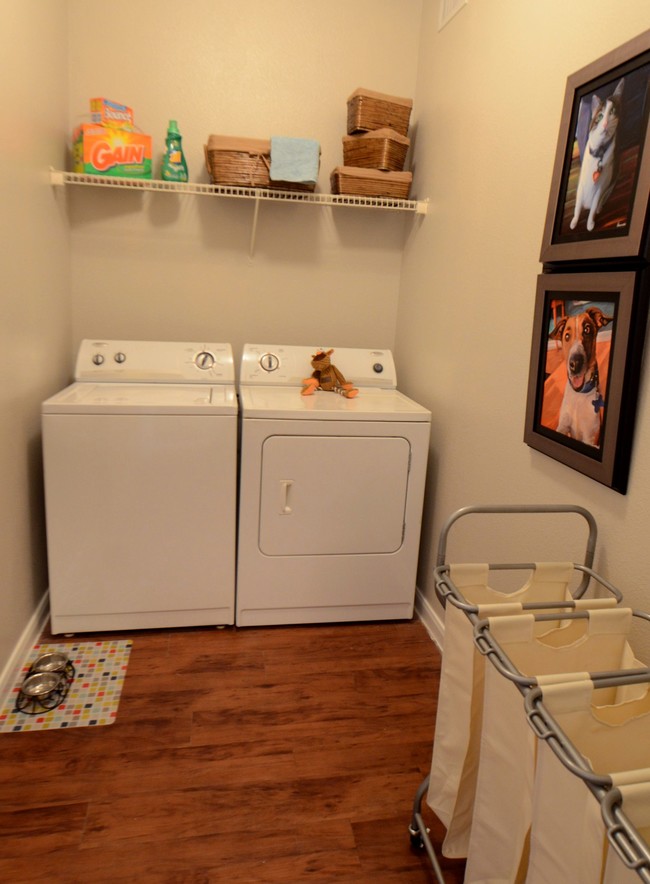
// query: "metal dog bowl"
[[54, 661], [41, 684], [46, 684]]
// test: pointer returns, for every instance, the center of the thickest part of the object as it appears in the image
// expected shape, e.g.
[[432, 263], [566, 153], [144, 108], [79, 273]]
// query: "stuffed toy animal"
[[326, 376]]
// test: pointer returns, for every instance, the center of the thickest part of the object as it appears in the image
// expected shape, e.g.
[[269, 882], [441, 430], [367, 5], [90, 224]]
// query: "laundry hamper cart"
[[466, 594], [589, 644], [593, 766]]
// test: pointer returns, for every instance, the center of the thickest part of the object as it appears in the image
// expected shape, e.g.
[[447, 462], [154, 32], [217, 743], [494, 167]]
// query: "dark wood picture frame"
[[582, 319], [620, 166]]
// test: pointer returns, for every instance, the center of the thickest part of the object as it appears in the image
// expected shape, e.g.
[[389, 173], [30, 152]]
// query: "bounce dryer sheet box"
[[110, 113], [105, 150]]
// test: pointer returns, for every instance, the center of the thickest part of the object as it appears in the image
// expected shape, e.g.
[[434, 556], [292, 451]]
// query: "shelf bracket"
[[57, 178], [256, 212]]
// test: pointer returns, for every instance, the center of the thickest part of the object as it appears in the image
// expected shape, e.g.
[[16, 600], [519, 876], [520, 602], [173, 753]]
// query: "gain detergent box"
[[106, 150]]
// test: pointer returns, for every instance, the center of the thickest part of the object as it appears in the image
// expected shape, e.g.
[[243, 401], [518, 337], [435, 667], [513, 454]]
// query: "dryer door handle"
[[285, 486]]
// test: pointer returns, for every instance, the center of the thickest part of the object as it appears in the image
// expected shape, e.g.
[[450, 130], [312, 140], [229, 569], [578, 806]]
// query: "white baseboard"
[[30, 635], [433, 623]]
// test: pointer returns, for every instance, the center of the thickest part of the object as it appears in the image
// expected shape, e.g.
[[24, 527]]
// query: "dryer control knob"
[[378, 368], [120, 357], [98, 359], [269, 362], [204, 360]]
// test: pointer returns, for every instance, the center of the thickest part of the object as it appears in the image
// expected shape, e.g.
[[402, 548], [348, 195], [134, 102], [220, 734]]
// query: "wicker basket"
[[241, 161], [381, 149], [374, 110], [245, 162], [370, 182]]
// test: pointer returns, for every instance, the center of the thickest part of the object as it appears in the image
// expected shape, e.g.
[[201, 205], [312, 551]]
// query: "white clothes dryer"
[[331, 491], [140, 463]]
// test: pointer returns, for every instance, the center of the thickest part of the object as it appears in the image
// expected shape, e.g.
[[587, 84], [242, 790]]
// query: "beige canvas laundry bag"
[[503, 803], [452, 779], [568, 834]]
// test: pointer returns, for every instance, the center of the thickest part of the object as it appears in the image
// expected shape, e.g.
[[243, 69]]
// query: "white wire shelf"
[[418, 207]]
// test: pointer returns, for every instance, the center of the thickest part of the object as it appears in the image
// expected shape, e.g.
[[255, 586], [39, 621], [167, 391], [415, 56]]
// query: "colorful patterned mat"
[[93, 697]]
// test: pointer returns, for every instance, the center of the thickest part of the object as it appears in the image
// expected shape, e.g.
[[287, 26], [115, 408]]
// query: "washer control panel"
[[205, 360], [280, 365], [168, 362]]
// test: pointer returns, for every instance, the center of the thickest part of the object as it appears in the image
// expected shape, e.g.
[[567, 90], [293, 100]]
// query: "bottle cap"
[[172, 129]]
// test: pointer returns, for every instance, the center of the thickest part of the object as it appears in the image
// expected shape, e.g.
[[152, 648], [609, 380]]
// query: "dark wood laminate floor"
[[280, 754]]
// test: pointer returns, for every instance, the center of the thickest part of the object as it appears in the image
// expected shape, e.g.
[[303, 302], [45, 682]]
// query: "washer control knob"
[[269, 362], [204, 360], [98, 359], [378, 368], [120, 358]]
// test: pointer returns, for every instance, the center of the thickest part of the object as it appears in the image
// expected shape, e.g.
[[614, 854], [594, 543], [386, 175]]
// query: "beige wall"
[[96, 263], [490, 92], [34, 290], [179, 267], [453, 294]]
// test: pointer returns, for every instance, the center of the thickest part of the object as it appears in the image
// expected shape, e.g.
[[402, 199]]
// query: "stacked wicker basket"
[[375, 148]]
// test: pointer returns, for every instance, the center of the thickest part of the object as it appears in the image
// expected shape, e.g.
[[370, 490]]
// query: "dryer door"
[[333, 495]]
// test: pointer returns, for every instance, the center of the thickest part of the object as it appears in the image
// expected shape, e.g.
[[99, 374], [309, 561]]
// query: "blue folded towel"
[[295, 159]]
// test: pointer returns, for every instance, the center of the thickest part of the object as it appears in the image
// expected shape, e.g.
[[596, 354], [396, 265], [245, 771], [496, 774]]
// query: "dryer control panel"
[[280, 365], [168, 362]]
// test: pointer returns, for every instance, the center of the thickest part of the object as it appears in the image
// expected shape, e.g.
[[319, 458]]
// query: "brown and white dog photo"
[[582, 404]]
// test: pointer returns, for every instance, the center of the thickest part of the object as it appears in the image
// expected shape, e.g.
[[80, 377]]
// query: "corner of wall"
[[431, 619], [27, 640]]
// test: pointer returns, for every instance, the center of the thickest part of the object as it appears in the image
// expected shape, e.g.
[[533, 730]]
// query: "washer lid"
[[88, 398], [369, 405]]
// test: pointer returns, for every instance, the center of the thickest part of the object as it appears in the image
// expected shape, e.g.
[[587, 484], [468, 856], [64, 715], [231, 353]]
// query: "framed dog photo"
[[585, 361], [598, 200]]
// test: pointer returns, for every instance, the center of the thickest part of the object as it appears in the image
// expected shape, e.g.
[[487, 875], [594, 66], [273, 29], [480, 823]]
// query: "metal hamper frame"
[[631, 848]]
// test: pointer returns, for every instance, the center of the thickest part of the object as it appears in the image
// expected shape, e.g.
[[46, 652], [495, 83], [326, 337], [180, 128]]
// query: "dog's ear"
[[557, 332], [598, 317]]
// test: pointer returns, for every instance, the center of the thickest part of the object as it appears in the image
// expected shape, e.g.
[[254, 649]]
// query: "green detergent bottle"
[[174, 167]]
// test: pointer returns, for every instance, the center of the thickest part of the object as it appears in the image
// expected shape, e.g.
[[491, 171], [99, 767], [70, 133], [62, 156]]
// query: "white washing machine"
[[140, 460], [331, 491]]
